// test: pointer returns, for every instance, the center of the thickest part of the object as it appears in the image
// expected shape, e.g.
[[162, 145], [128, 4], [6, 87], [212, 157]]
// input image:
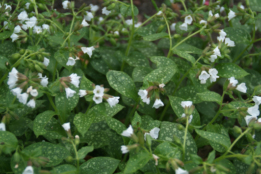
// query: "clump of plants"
[[95, 90]]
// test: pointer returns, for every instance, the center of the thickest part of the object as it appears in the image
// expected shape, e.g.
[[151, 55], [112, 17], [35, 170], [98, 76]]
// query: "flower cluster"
[[212, 74], [241, 87]]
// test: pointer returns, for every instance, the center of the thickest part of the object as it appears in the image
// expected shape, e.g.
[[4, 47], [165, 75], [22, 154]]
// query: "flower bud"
[[237, 130], [38, 68], [141, 138], [177, 140], [160, 28], [176, 36], [16, 157], [257, 126], [15, 56], [77, 139], [69, 159], [111, 7]]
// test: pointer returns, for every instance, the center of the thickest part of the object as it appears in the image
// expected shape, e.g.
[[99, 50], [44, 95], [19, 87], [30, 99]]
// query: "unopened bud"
[[69, 159], [77, 139], [237, 130]]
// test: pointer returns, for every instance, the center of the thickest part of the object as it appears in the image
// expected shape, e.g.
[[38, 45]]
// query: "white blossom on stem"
[[22, 98], [233, 81], [185, 104], [124, 149], [75, 79], [257, 100], [66, 126], [113, 101], [231, 15], [2, 127], [184, 27], [158, 103], [69, 92], [88, 16], [154, 133], [94, 8], [229, 42], [28, 170], [82, 93], [254, 110], [242, 87], [65, 4], [88, 50], [128, 132], [105, 11], [98, 91], [188, 20], [97, 99], [203, 77], [31, 103], [213, 74], [213, 58], [84, 23]]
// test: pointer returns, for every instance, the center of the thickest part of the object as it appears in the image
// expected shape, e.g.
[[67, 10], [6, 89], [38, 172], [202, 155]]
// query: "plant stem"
[[146, 21], [185, 137], [129, 115], [54, 107], [131, 37], [76, 155], [89, 107], [155, 5], [184, 5], [54, 70], [170, 38]]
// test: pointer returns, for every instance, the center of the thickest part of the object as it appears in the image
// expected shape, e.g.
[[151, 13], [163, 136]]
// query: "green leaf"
[[234, 105], [162, 61], [175, 103], [136, 121], [62, 57], [184, 55], [55, 153], [211, 157], [255, 5], [5, 34], [65, 169], [137, 160], [41, 121], [115, 125], [238, 35], [184, 47], [228, 70], [125, 10], [3, 61], [101, 165], [156, 36], [83, 122], [229, 165], [139, 73], [84, 151], [137, 59], [149, 29], [122, 83], [19, 127], [148, 49], [8, 142], [161, 74], [215, 138], [56, 40], [167, 150], [210, 96], [7, 48], [169, 130]]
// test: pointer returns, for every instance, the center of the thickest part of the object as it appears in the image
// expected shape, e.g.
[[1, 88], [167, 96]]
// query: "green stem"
[[232, 145], [146, 21], [193, 34], [131, 37], [185, 137], [54, 107], [76, 155], [35, 8], [54, 70], [155, 5], [170, 38], [127, 120], [250, 55], [184, 5], [89, 107], [55, 25]]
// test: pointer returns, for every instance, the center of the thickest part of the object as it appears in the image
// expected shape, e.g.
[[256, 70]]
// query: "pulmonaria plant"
[[110, 89]]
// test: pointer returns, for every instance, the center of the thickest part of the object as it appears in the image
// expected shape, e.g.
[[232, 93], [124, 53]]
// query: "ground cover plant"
[[96, 90]]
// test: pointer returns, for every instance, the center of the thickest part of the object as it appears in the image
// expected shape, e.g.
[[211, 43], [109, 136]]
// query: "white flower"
[[69, 92], [259, 120], [27, 5], [12, 78], [188, 20], [113, 101], [88, 50], [145, 135], [222, 9], [100, 20], [156, 159], [213, 74], [185, 104], [31, 103], [203, 77], [31, 22], [242, 7], [172, 27], [97, 99], [105, 11], [46, 27], [222, 36], [146, 100], [84, 23], [248, 118], [242, 87], [257, 100], [212, 58], [161, 85], [46, 61], [14, 37], [128, 132], [16, 91], [233, 81], [217, 51], [44, 81], [75, 79], [66, 126], [184, 27], [154, 133], [8, 6], [203, 22], [116, 33], [137, 25], [158, 103], [37, 29], [210, 13], [124, 149], [82, 93], [129, 21], [2, 127], [23, 16], [28, 170], [25, 27], [253, 136], [23, 98], [231, 15], [71, 61], [143, 95], [216, 15], [98, 91], [34, 92], [253, 111], [181, 171], [88, 16], [190, 117], [94, 8], [17, 29], [6, 24], [159, 13], [65, 4], [229, 42]]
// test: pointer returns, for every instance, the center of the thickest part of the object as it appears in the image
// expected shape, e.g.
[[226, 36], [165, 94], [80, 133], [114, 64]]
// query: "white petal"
[[98, 91], [69, 92], [2, 127], [113, 101], [186, 104], [66, 126], [188, 20], [158, 103], [31, 103], [28, 170], [128, 132], [242, 87], [154, 133]]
